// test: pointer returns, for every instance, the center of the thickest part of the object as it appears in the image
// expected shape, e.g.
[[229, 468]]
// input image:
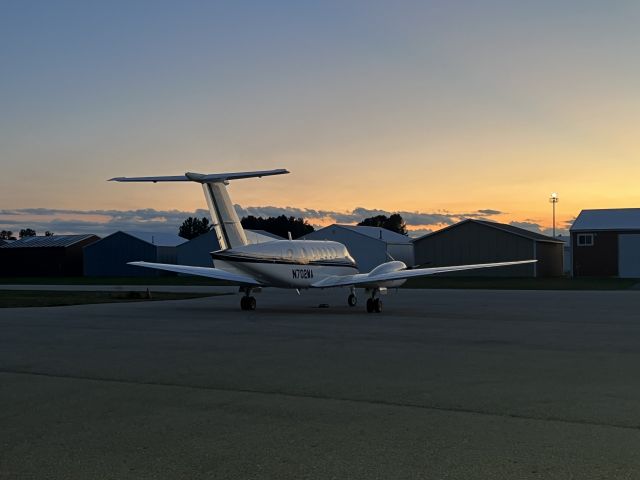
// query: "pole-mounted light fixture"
[[554, 199]]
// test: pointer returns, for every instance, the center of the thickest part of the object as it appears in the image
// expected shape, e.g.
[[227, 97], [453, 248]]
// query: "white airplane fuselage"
[[289, 263]]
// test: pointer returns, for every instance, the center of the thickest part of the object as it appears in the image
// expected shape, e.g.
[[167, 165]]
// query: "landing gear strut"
[[374, 304]]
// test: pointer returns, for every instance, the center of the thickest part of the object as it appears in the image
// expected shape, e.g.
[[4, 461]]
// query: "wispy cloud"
[[104, 222], [532, 225]]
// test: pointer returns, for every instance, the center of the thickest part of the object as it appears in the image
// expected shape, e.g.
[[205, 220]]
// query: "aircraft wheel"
[[377, 305], [243, 303], [369, 305], [251, 303], [352, 300]]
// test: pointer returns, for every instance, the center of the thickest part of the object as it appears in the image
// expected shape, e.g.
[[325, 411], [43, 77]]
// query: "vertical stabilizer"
[[224, 219]]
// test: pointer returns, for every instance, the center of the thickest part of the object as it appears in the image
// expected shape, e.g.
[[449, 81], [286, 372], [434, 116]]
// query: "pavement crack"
[[373, 402]]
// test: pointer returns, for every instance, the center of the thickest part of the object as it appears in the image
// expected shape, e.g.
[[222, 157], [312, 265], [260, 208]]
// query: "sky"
[[440, 110]]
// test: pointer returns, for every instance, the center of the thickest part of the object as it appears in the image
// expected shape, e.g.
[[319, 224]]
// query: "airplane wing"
[[373, 280], [208, 272]]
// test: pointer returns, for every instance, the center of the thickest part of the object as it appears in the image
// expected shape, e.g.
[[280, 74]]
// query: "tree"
[[7, 235], [395, 223], [193, 227], [27, 232], [280, 226], [48, 234]]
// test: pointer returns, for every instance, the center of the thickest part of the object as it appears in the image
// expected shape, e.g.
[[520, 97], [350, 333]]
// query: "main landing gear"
[[247, 302], [374, 303]]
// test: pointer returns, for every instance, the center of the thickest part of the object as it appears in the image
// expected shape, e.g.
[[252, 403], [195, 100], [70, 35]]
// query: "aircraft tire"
[[251, 303], [377, 305], [243, 303], [352, 300], [369, 305]]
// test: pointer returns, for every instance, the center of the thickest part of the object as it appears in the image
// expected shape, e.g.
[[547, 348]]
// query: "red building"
[[606, 243]]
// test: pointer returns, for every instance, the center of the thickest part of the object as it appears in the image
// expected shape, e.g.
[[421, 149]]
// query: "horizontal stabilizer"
[[203, 178], [208, 272], [372, 280]]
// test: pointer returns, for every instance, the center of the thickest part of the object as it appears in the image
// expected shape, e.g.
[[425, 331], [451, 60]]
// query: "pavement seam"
[[385, 403]]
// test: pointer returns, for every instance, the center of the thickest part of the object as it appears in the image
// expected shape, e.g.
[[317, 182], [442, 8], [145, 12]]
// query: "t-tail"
[[224, 219]]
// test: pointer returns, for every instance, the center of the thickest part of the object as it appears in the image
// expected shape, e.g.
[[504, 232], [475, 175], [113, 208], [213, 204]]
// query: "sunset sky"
[[440, 110]]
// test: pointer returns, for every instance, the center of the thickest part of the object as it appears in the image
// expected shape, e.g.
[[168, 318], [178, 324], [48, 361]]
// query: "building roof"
[[608, 219], [377, 233], [48, 242], [521, 232], [158, 239]]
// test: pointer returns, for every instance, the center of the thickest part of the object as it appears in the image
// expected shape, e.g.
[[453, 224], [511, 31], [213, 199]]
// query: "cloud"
[[489, 212], [419, 232], [104, 222], [360, 213], [527, 225], [536, 227]]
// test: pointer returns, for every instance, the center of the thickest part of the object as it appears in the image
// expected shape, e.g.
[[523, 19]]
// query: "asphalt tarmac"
[[444, 384]]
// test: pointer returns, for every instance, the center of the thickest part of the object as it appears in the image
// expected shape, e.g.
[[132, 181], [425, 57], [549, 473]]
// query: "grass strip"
[[14, 299]]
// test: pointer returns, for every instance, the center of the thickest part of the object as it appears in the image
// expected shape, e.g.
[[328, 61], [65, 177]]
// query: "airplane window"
[[290, 254]]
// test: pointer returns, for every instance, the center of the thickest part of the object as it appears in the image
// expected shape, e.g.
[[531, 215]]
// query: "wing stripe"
[[216, 273]]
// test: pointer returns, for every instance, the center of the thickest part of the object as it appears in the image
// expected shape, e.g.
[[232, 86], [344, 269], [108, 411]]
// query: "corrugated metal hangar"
[[369, 246], [109, 256], [53, 256], [606, 243], [479, 241]]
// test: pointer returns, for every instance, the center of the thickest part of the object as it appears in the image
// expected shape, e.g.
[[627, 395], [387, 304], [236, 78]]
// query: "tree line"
[[283, 225], [25, 232], [280, 226]]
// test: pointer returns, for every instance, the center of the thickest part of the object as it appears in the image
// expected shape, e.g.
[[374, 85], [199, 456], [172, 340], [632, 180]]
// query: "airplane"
[[293, 264]]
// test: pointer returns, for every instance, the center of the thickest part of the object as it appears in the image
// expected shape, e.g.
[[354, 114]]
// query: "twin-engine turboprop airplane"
[[295, 264]]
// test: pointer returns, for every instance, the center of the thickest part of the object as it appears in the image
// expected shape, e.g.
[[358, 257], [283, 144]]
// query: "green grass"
[[562, 283], [168, 280], [13, 299]]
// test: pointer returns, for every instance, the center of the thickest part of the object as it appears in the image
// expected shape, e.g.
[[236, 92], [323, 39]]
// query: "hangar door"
[[629, 256]]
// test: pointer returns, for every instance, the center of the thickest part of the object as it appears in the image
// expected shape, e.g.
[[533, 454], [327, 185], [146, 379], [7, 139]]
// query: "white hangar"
[[369, 246]]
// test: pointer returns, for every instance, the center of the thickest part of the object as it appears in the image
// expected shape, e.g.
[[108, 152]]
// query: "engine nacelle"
[[389, 267]]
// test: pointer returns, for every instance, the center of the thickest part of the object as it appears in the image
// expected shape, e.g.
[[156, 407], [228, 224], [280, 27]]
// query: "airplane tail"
[[224, 219]]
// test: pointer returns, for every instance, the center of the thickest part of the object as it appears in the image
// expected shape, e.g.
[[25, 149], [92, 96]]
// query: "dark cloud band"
[[152, 220]]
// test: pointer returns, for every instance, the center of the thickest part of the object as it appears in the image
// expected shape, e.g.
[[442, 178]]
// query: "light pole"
[[554, 199]]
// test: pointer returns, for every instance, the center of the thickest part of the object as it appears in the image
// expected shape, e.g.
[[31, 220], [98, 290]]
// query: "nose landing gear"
[[352, 300]]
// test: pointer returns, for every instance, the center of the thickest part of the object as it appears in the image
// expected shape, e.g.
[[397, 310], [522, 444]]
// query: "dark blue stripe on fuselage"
[[282, 261]]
